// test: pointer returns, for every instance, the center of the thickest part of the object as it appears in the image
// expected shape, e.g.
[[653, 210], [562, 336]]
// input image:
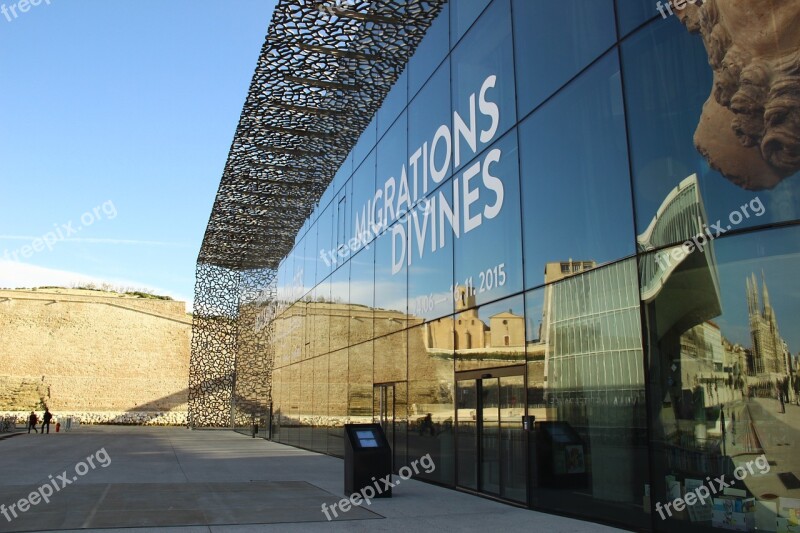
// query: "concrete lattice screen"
[[323, 72], [232, 377], [211, 368], [254, 354]]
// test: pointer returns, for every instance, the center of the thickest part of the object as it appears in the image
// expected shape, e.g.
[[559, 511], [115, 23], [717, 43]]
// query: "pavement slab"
[[173, 479]]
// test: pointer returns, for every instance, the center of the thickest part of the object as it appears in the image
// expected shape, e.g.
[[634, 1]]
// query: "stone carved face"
[[750, 126]]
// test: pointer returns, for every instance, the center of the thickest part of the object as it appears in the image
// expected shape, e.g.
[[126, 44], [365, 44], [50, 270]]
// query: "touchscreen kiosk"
[[367, 455], [367, 438]]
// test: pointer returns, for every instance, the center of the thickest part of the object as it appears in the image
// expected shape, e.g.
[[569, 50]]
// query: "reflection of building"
[[703, 344], [469, 330], [593, 374], [680, 217], [507, 329], [736, 358], [702, 353], [468, 333], [591, 329], [681, 294], [690, 281], [770, 354], [557, 271], [553, 272]]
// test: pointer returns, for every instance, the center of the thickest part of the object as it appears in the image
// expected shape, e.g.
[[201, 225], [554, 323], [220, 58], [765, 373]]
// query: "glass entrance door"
[[490, 441], [467, 433], [512, 441], [383, 409]]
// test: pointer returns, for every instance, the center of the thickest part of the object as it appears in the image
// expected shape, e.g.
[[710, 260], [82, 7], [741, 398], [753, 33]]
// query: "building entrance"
[[490, 442], [388, 407]]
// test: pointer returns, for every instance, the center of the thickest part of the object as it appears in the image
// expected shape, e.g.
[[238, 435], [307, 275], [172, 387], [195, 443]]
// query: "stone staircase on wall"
[[22, 394]]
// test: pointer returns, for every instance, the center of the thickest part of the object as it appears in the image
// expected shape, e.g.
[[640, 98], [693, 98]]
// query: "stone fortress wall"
[[100, 356]]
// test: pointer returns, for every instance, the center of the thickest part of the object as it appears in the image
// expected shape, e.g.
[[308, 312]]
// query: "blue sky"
[[115, 124]]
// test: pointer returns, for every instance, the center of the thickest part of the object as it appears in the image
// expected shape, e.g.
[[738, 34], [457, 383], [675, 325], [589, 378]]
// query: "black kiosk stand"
[[367, 455]]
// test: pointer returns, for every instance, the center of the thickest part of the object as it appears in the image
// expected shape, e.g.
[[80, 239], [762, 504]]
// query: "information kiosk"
[[367, 455]]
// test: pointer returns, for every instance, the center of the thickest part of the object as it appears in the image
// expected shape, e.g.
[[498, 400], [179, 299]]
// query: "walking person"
[[46, 420], [427, 425], [32, 420]]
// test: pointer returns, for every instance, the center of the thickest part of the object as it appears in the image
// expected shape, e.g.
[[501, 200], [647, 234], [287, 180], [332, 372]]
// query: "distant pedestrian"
[[32, 420], [427, 425], [46, 420]]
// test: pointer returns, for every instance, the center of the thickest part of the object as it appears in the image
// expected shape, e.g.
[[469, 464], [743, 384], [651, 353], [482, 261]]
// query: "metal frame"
[[479, 375]]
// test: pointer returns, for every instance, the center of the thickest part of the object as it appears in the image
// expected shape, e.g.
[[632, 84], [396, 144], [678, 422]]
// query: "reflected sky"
[[575, 180]]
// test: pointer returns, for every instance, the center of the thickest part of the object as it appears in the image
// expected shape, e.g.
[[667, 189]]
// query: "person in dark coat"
[[32, 422], [46, 420]]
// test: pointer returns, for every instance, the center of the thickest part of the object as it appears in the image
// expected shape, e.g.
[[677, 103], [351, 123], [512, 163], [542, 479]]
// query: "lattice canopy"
[[323, 71]]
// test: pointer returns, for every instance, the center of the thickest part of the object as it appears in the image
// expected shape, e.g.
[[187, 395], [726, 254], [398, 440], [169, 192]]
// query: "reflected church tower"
[[469, 331], [465, 298], [769, 353]]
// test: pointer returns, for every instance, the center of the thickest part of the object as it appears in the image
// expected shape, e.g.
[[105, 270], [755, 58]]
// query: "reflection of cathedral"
[[770, 353]]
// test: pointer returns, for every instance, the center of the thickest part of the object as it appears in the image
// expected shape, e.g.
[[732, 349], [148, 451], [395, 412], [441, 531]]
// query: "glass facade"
[[546, 219]]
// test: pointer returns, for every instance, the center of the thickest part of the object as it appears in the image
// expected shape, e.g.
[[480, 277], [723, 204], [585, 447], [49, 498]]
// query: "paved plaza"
[[177, 480]]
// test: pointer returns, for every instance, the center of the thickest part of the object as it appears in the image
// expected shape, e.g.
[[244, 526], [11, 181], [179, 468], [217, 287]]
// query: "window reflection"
[[391, 358], [342, 175], [429, 111], [665, 98], [340, 308], [586, 390], [365, 143], [723, 365], [364, 212], [722, 350], [392, 174], [483, 80], [359, 379], [391, 283], [319, 404], [575, 179], [393, 104], [583, 29], [290, 333], [486, 223], [462, 15], [488, 336], [633, 13], [278, 400], [308, 257], [362, 295], [305, 391], [430, 276], [320, 314], [342, 225], [430, 52], [325, 242], [337, 401]]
